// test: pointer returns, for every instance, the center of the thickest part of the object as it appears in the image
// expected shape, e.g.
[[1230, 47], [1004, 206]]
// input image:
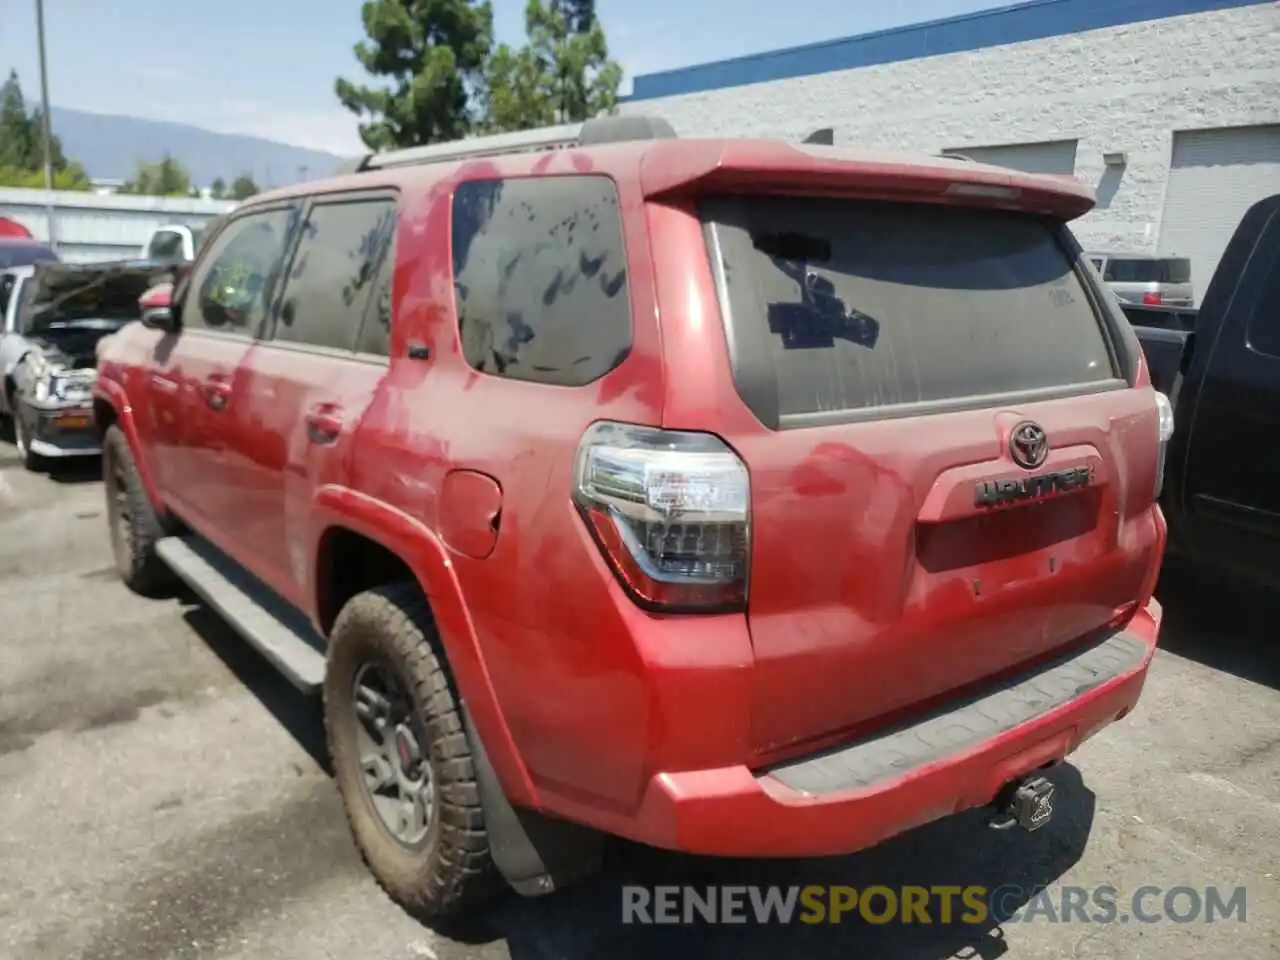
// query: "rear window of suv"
[[848, 306], [1173, 270]]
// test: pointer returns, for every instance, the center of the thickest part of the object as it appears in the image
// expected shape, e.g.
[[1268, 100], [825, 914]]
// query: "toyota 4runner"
[[737, 497]]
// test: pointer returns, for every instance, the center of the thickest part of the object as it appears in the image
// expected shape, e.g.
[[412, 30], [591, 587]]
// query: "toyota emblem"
[[1028, 445]]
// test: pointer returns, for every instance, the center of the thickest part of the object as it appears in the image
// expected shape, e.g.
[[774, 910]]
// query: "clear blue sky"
[[266, 67]]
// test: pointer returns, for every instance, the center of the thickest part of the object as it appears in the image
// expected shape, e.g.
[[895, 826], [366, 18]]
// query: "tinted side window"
[[6, 291], [332, 278], [234, 282], [166, 245], [375, 336], [540, 278]]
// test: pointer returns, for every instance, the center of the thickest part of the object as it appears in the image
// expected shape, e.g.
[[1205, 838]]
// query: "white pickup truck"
[[174, 243]]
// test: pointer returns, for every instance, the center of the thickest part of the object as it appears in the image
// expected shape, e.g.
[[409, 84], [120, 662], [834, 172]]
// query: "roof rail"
[[588, 133]]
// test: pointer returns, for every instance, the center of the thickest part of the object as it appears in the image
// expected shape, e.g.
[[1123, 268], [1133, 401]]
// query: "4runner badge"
[[994, 493]]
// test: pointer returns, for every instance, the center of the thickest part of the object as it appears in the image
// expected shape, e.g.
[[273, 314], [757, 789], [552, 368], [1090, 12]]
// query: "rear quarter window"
[[540, 278], [855, 306]]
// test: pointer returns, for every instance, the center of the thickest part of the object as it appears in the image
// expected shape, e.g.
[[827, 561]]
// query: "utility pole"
[[48, 127]]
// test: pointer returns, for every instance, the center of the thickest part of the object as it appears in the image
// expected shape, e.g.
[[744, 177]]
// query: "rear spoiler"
[[732, 166]]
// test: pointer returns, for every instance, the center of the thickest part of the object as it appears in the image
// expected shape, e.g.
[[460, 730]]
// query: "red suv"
[[738, 497]]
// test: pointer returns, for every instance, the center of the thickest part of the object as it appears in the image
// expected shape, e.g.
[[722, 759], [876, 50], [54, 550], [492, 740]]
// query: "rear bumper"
[[853, 797]]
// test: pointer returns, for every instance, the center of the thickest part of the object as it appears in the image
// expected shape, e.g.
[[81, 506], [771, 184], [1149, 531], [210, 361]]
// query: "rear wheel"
[[401, 759], [134, 527]]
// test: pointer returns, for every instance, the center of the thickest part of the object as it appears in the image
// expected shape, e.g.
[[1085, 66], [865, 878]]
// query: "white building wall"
[[91, 226], [1124, 89]]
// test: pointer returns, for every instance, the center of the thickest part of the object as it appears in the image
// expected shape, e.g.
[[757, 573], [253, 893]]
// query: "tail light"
[[670, 511], [1164, 408], [1153, 299]]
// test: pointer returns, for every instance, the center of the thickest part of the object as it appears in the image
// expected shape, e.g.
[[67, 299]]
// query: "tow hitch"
[[1024, 803]]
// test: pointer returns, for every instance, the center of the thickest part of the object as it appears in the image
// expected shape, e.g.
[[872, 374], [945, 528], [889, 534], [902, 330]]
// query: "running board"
[[278, 631]]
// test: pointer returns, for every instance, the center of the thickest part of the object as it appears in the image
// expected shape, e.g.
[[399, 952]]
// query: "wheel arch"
[[388, 541], [111, 408]]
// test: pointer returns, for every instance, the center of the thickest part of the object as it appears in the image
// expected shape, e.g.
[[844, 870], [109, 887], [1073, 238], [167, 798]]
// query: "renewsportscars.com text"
[[816, 904]]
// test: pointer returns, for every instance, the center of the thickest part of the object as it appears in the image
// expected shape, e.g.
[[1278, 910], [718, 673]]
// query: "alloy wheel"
[[396, 771]]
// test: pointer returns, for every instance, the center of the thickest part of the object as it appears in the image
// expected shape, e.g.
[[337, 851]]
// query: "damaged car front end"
[[67, 310]]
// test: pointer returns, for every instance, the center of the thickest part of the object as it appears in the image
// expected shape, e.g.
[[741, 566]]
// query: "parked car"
[[12, 343], [61, 311], [22, 251], [1146, 278], [1220, 366], [733, 496]]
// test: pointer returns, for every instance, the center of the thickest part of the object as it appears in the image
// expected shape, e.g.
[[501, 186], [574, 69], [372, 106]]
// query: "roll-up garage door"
[[1215, 176], [1058, 156]]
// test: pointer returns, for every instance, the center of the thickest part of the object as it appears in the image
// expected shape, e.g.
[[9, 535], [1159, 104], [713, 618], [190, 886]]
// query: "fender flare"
[[113, 394], [414, 543]]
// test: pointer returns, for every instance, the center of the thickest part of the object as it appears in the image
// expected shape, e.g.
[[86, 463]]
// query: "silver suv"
[[1146, 278]]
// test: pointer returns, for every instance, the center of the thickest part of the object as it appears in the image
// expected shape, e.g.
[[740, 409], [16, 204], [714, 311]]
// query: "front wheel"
[[133, 525], [401, 759]]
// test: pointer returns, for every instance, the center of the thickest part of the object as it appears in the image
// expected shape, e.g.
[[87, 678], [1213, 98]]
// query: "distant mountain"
[[111, 146]]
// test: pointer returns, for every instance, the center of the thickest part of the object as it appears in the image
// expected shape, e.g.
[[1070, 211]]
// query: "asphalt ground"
[[164, 795]]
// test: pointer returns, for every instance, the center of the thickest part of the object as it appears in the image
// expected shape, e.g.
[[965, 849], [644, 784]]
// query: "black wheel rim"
[[395, 770], [118, 509]]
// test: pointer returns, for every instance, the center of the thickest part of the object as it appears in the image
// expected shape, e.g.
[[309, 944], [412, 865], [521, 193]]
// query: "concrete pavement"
[[163, 796]]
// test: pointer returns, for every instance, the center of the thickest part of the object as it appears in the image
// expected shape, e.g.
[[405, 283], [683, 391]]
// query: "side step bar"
[[278, 631]]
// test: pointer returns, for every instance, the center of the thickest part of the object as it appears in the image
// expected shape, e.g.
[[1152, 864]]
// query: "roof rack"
[[588, 133]]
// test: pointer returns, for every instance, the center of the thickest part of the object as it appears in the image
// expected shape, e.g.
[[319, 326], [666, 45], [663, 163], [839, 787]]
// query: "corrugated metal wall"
[[91, 226]]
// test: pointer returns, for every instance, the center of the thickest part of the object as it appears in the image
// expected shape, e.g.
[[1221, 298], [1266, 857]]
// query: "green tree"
[[562, 75], [22, 145], [218, 189], [72, 177], [427, 56], [168, 178], [243, 187], [514, 91]]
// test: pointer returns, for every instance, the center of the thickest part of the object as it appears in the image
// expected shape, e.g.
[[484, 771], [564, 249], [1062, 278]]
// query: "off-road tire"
[[135, 551], [453, 872]]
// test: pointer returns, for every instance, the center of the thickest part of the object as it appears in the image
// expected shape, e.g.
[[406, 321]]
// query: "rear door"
[[199, 383], [313, 376], [918, 368], [1230, 485]]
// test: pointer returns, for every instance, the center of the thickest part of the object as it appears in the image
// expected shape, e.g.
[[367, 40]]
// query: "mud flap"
[[535, 854]]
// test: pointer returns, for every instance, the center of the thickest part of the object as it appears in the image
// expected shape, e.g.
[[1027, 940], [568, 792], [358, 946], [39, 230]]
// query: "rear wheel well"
[[349, 563]]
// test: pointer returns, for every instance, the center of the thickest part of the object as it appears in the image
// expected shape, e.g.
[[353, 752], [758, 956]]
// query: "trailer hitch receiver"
[[1024, 803]]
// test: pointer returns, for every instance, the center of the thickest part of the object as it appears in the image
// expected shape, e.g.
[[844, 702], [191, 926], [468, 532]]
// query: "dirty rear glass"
[[540, 278], [844, 305]]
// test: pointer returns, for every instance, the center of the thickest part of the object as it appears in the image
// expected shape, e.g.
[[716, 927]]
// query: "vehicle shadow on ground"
[[1225, 626], [79, 470], [585, 922], [299, 714]]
